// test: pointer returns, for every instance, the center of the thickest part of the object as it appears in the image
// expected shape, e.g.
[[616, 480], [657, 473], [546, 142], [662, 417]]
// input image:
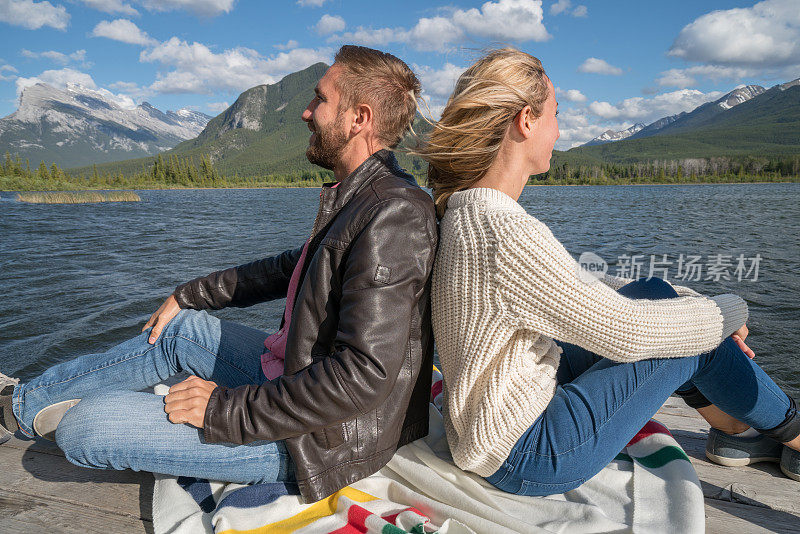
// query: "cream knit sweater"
[[503, 288]]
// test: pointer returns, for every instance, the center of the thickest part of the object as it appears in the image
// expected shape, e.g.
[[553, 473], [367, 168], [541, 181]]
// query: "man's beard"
[[328, 144]]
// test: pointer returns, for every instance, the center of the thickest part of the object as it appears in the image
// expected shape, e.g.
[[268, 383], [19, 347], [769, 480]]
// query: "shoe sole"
[[5, 435], [46, 421], [739, 462], [793, 476]]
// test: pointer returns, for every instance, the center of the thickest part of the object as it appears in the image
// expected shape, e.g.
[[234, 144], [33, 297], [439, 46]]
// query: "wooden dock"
[[41, 492]]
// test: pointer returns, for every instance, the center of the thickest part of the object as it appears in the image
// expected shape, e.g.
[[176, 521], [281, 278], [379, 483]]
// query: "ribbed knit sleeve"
[[541, 288]]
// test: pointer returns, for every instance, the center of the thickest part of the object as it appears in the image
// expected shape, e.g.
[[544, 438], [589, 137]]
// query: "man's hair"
[[382, 81]]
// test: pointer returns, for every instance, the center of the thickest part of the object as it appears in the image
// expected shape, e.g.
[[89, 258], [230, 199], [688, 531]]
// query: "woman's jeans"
[[599, 405], [116, 426]]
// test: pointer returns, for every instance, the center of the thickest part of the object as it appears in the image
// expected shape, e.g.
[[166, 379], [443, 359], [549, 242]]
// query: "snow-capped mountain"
[[739, 95], [610, 135], [79, 126], [684, 120]]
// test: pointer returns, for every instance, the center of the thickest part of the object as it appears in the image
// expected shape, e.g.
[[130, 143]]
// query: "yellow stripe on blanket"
[[319, 509]]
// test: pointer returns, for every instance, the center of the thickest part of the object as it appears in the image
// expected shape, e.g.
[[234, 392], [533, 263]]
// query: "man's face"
[[327, 122]]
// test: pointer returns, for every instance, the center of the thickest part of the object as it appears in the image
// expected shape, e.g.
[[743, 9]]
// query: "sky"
[[614, 63]]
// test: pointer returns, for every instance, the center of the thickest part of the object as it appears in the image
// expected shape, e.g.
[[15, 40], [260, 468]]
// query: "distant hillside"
[[767, 124]]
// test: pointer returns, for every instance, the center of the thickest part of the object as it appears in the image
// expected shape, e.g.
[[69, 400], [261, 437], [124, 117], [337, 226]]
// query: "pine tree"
[[43, 173]]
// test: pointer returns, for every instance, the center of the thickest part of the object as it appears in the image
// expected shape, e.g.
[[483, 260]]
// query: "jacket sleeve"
[[542, 290], [387, 267], [245, 285]]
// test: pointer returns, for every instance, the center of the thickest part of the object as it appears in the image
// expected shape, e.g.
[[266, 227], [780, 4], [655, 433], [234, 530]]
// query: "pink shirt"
[[272, 360]]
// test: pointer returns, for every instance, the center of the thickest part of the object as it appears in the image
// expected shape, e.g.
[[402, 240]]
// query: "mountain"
[[747, 121], [610, 136], [79, 126], [261, 132], [701, 115]]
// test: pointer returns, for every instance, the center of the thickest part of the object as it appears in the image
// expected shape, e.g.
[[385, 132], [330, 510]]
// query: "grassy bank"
[[84, 197]]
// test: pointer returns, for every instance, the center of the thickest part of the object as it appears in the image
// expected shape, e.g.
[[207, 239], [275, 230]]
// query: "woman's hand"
[[739, 336], [186, 401]]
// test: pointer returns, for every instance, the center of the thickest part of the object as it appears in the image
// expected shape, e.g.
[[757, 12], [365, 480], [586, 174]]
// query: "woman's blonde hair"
[[486, 98]]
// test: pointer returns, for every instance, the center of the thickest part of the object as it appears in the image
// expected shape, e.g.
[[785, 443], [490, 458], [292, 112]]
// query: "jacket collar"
[[337, 197]]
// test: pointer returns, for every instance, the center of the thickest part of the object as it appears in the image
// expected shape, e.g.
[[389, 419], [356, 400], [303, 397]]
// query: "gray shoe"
[[790, 463], [8, 423], [46, 421], [724, 449]]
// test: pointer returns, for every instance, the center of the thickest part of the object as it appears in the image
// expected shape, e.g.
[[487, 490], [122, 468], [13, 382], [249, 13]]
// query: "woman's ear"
[[524, 122]]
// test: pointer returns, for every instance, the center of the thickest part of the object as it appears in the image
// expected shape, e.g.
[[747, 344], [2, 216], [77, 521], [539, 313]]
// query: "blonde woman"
[[533, 415]]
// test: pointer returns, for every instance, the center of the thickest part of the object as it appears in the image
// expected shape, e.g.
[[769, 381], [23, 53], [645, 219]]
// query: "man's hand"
[[161, 317], [186, 401], [739, 336]]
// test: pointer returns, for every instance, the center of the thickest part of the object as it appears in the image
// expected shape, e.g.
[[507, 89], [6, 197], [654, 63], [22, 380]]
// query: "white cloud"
[[58, 78], [66, 77], [132, 89], [111, 6], [437, 33], [599, 66], [58, 57], [123, 30], [765, 35], [199, 70], [494, 20], [576, 129], [571, 95], [288, 45], [439, 82], [8, 68], [580, 11], [641, 109], [563, 6], [205, 8], [688, 76], [33, 15], [311, 3], [560, 7], [329, 24], [217, 107]]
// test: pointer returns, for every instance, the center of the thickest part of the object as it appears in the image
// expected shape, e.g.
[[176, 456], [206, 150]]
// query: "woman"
[[536, 416]]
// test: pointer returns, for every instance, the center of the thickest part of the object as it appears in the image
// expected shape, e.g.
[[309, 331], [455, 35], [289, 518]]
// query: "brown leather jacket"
[[356, 383]]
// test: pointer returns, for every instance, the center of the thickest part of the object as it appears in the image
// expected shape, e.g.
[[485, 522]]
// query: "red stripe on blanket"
[[356, 521], [652, 427], [436, 388], [392, 518]]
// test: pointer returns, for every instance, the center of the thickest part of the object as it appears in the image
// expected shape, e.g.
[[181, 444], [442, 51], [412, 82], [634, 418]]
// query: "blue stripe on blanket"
[[258, 494], [200, 490]]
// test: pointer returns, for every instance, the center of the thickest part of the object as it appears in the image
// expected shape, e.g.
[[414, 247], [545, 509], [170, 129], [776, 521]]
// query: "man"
[[346, 380]]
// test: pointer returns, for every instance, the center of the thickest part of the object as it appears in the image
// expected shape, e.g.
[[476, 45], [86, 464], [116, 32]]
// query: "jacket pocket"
[[334, 435]]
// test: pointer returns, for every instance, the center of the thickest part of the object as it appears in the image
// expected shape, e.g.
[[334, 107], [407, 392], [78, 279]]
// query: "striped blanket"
[[649, 487]]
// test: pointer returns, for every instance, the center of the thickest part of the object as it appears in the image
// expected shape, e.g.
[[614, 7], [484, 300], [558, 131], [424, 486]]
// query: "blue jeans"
[[116, 426], [599, 405]]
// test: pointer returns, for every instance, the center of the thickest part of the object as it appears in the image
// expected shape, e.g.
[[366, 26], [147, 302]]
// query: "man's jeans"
[[600, 404], [116, 426]]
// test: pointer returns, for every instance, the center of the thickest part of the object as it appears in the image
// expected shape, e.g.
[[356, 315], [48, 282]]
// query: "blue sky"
[[614, 63]]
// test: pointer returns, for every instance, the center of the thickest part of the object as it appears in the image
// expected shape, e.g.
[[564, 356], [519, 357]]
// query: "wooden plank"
[[726, 517], [761, 485], [51, 476], [36, 514]]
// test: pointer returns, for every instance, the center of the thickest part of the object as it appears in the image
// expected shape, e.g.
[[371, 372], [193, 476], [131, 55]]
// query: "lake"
[[78, 278]]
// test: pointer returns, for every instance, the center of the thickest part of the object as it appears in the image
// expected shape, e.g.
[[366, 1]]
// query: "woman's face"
[[545, 130]]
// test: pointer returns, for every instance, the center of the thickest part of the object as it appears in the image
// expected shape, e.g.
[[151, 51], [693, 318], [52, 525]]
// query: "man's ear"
[[362, 118]]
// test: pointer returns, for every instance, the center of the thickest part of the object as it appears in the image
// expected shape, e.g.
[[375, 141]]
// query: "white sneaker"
[[8, 423]]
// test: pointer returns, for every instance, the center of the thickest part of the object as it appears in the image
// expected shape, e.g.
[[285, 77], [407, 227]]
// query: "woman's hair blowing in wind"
[[486, 98]]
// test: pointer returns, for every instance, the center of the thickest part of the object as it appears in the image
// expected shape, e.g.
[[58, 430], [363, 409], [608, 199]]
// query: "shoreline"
[[320, 185]]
